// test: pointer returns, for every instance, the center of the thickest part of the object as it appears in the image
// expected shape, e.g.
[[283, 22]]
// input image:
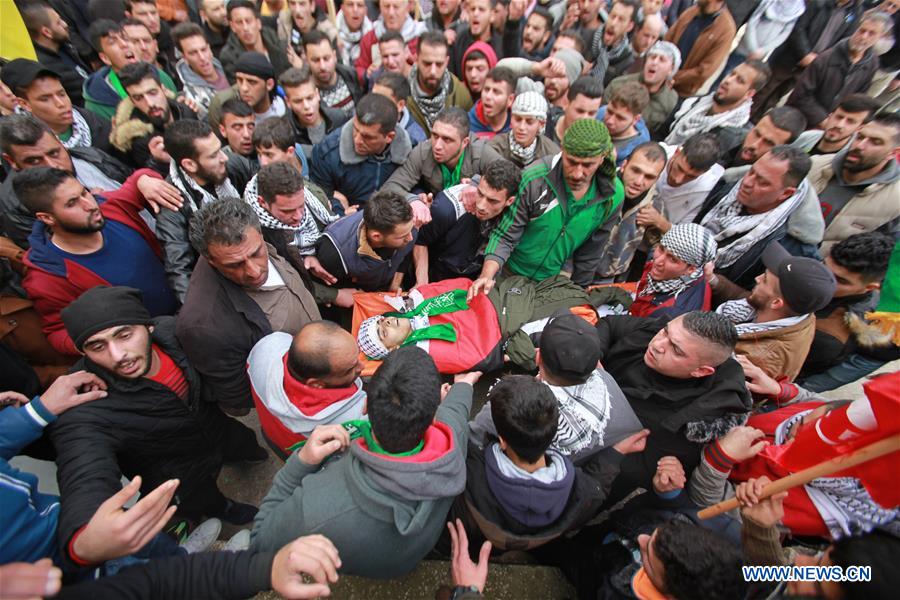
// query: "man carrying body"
[[572, 198], [451, 244], [240, 292], [302, 382]]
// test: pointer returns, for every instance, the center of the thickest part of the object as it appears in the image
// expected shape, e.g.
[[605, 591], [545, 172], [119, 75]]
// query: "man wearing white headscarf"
[[660, 64], [525, 141]]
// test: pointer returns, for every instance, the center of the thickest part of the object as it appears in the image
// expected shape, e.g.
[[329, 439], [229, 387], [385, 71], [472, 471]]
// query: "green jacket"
[[102, 99], [543, 229], [383, 515]]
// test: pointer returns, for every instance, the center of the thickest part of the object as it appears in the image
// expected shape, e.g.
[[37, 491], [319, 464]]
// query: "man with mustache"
[[142, 116], [858, 187], [846, 119], [81, 241]]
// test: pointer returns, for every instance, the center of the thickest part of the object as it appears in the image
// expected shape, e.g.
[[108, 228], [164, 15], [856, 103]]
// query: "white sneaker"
[[203, 536], [239, 541]]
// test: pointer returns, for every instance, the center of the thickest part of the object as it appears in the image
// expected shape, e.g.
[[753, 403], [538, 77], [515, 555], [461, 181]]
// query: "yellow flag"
[[14, 39]]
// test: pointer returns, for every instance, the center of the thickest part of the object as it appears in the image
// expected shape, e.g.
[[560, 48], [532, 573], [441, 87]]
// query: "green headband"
[[587, 138]]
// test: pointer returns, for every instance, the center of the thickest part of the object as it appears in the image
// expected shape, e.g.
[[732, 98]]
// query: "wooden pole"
[[839, 463], [332, 14]]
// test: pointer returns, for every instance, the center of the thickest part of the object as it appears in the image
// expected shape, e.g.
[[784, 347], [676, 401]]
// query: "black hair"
[[35, 187], [35, 15], [306, 365], [701, 150], [585, 86], [636, 12], [545, 15], [763, 73], [375, 109], [857, 103], [278, 179], [866, 254], [716, 329], [575, 36], [788, 118], [526, 415], [391, 36], [434, 39], [506, 76], [314, 37], [222, 222], [21, 130], [457, 117], [397, 83], [798, 161], [295, 77], [183, 31], [233, 4], [889, 119], [274, 132], [502, 174], [653, 151], [697, 563], [237, 107], [385, 210], [180, 137], [135, 73], [403, 396], [100, 29], [877, 550]]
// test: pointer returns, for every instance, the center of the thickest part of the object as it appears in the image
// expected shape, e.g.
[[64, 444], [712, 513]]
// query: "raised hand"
[[462, 569]]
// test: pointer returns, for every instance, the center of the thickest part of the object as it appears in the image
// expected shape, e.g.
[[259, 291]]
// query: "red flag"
[[848, 428]]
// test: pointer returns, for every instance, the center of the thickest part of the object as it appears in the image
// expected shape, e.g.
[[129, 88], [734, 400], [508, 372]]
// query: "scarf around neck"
[[670, 286], [693, 118], [189, 188], [351, 39], [362, 428], [726, 222], [81, 132], [429, 105], [450, 178], [523, 153], [743, 315]]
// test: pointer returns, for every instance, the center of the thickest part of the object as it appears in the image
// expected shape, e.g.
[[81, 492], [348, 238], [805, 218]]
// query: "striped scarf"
[[81, 132]]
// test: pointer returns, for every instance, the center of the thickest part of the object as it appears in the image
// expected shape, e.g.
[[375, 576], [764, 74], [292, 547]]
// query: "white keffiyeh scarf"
[[584, 413], [81, 132], [693, 118], [743, 315], [188, 187], [429, 105], [726, 222], [524, 153], [307, 233], [351, 39]]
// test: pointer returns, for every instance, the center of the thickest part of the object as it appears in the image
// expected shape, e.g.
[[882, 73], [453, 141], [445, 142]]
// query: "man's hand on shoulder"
[[324, 441], [159, 194], [71, 390]]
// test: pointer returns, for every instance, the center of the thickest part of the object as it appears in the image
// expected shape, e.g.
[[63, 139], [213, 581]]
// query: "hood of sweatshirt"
[[485, 49], [404, 490], [97, 89], [889, 174], [533, 499], [190, 77]]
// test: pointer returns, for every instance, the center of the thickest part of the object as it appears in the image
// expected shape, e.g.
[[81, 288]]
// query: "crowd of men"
[[195, 194]]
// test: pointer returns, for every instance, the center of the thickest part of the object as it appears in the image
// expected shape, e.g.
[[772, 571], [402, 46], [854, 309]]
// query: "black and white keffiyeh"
[[525, 153], [307, 233], [726, 221], [429, 105], [694, 118], [692, 243], [188, 188], [339, 97], [743, 315], [843, 503], [584, 413], [81, 132]]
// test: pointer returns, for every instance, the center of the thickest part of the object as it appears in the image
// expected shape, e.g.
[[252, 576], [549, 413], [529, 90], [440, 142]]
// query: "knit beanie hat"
[[587, 138], [103, 307], [574, 62], [530, 104], [255, 64], [368, 339], [692, 243], [667, 49]]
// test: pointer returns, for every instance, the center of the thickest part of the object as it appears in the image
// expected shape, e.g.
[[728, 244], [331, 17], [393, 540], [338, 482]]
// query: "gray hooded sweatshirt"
[[383, 514]]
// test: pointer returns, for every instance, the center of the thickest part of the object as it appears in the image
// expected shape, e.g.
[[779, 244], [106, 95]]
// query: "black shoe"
[[237, 513], [254, 456]]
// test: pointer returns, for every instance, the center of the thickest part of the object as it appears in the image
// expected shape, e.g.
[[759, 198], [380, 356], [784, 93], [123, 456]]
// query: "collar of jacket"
[[606, 188], [236, 296], [399, 149], [163, 335]]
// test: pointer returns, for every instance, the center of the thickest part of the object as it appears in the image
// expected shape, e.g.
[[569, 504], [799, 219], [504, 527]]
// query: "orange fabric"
[[643, 588]]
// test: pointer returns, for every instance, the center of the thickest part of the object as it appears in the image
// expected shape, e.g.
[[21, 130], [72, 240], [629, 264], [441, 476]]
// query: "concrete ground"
[[506, 581]]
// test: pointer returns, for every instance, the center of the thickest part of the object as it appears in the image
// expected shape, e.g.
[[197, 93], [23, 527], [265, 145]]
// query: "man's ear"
[[787, 193], [703, 371], [390, 137], [315, 383], [104, 59], [401, 105], [45, 218], [11, 162], [465, 142], [270, 84], [23, 104], [222, 131], [875, 285], [376, 236], [189, 165], [510, 200]]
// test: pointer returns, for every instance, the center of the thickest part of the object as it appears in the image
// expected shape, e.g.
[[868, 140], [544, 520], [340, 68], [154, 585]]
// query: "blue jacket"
[[479, 128], [335, 165], [642, 136], [30, 517]]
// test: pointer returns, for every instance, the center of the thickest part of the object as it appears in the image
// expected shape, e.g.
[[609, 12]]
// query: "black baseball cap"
[[806, 283], [18, 74], [570, 347]]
